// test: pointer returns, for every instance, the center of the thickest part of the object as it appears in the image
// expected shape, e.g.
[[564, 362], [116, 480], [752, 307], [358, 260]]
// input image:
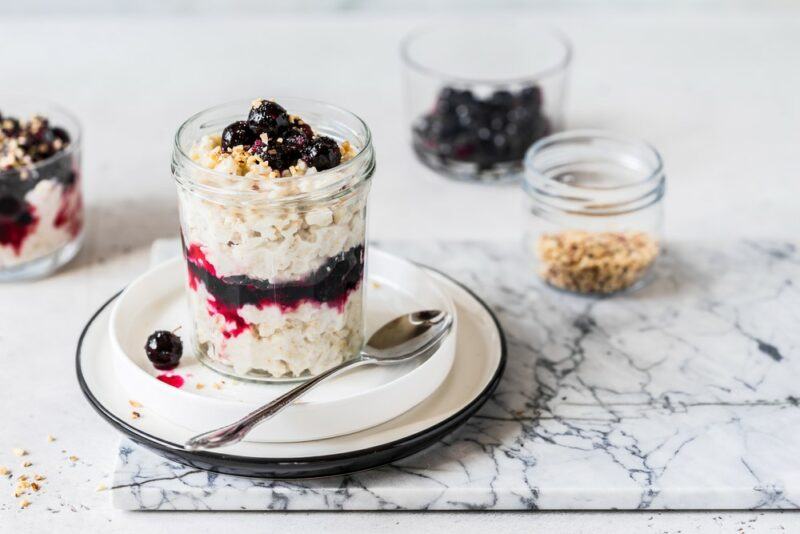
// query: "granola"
[[595, 262]]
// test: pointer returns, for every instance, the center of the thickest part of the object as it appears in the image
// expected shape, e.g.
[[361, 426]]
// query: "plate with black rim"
[[478, 367]]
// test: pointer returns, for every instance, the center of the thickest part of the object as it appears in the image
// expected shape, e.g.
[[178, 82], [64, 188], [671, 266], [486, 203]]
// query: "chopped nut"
[[22, 486], [73, 458], [135, 415], [19, 452], [22, 477], [39, 477], [27, 464], [200, 386], [5, 471], [50, 438], [24, 503], [595, 262], [217, 385], [134, 404], [35, 486]]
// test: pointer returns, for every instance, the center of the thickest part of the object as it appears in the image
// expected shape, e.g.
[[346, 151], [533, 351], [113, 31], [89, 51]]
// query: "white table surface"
[[714, 89]]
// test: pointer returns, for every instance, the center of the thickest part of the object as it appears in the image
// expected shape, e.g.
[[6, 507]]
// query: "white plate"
[[477, 369], [368, 396]]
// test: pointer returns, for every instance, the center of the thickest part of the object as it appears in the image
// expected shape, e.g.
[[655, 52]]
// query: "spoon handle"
[[235, 432]]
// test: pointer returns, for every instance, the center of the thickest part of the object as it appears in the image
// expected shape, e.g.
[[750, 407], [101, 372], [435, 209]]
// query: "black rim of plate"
[[309, 466]]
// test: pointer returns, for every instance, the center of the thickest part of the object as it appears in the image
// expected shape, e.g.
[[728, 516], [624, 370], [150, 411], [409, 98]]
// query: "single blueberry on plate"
[[164, 350]]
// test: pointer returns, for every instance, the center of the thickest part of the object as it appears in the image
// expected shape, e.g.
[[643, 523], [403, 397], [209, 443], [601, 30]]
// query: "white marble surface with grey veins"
[[683, 395]]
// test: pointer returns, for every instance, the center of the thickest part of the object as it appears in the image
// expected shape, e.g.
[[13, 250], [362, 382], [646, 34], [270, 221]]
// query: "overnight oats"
[[41, 208], [273, 206]]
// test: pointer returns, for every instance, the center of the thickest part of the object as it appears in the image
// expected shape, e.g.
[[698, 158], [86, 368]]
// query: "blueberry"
[[40, 131], [164, 350], [10, 126], [295, 123], [268, 117], [278, 155], [9, 207], [297, 138], [322, 153], [501, 99], [237, 134], [61, 134], [531, 97]]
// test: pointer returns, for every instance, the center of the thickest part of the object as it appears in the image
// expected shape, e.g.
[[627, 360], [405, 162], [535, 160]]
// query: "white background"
[[714, 86]]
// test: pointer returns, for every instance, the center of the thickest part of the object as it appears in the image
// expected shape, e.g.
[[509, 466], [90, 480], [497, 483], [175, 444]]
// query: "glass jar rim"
[[545, 143], [74, 130], [360, 159], [557, 67], [645, 188]]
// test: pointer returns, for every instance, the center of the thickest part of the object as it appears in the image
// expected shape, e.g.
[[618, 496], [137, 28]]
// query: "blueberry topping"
[[322, 153], [30, 142], [278, 154], [61, 134], [303, 127], [9, 126], [268, 117], [164, 350], [236, 134], [297, 138]]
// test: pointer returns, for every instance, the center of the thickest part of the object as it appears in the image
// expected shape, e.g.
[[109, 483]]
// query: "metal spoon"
[[399, 341]]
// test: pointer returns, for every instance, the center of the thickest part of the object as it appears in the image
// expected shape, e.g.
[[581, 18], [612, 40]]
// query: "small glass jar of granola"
[[594, 211], [41, 205], [272, 199]]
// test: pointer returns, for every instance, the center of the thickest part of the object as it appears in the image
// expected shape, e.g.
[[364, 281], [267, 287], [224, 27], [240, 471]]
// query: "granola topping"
[[595, 262], [24, 143]]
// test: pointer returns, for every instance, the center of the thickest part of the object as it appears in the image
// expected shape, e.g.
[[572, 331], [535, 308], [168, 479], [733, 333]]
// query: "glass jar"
[[476, 104], [275, 266], [41, 205], [594, 211]]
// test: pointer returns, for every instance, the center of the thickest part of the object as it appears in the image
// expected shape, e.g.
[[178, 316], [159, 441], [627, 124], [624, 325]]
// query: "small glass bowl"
[[41, 206], [477, 103], [594, 211]]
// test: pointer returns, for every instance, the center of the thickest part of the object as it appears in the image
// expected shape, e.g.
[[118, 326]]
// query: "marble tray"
[[685, 395]]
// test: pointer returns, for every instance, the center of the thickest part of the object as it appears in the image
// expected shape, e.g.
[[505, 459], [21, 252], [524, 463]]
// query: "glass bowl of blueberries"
[[477, 102]]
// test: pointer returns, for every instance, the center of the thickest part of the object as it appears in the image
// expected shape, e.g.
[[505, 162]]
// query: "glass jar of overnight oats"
[[41, 206], [273, 199], [594, 211]]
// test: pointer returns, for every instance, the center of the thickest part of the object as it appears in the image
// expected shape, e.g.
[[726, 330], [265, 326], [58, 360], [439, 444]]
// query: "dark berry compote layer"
[[40, 204], [467, 133], [274, 287], [330, 284]]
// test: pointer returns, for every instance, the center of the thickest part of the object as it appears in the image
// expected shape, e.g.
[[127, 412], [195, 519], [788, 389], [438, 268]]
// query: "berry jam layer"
[[330, 284]]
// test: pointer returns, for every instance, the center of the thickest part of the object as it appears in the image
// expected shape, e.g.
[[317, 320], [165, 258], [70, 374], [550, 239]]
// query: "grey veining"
[[683, 395]]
